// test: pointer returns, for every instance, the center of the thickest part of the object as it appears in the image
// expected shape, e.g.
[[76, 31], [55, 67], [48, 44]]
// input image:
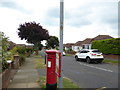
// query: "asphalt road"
[[90, 75]]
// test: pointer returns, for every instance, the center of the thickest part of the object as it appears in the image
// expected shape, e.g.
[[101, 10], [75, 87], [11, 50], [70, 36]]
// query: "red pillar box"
[[58, 64], [52, 68]]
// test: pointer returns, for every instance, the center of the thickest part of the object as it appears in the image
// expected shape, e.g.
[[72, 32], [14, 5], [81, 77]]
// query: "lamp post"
[[61, 38]]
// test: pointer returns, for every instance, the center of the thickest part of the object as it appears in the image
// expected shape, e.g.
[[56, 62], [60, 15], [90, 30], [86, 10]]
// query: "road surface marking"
[[96, 67]]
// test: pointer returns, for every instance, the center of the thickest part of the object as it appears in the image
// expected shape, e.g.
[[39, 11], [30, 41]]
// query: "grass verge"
[[111, 61], [67, 83], [69, 55], [39, 63], [37, 56]]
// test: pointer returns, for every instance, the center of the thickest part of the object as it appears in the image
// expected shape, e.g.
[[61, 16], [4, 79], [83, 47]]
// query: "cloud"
[[76, 18], [53, 12], [51, 17], [82, 18], [92, 12], [12, 5]]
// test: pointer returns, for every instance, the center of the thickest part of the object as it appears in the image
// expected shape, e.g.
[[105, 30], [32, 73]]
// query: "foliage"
[[52, 42], [21, 50], [5, 55], [108, 46], [33, 33], [14, 51], [70, 49], [29, 50], [38, 46]]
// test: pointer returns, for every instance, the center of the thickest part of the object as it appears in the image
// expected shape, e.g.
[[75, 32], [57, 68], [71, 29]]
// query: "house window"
[[87, 46], [83, 46]]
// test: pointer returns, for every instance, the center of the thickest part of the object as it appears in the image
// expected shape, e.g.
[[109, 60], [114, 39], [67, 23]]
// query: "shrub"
[[108, 46], [5, 55]]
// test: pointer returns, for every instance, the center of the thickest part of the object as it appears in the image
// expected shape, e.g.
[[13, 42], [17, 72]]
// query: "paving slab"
[[26, 77]]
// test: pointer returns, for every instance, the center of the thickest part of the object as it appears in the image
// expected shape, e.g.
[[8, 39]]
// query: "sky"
[[82, 18]]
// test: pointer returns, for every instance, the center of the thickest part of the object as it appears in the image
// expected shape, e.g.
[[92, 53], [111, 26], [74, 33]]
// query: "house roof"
[[102, 37], [79, 43], [22, 45], [87, 41], [68, 44], [12, 44]]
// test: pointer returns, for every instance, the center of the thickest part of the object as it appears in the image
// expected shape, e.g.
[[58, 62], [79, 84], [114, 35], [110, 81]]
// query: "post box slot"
[[50, 56]]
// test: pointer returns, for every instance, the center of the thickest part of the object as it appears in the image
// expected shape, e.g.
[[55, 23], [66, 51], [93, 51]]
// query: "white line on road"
[[95, 67]]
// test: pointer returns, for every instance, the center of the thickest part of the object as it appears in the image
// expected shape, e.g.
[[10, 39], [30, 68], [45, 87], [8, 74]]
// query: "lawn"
[[39, 63], [111, 61], [67, 83]]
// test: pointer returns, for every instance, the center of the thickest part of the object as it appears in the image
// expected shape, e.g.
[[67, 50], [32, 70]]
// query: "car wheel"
[[88, 60], [76, 58]]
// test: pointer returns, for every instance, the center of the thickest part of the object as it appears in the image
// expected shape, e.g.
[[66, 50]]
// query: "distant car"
[[89, 55], [64, 53]]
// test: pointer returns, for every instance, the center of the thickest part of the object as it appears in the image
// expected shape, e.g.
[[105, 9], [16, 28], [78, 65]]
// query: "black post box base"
[[51, 85]]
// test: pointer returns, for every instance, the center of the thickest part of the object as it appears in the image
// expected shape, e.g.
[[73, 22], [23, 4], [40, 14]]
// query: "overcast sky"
[[82, 18]]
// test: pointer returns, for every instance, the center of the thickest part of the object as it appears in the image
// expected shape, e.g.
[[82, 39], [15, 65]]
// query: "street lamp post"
[[61, 38]]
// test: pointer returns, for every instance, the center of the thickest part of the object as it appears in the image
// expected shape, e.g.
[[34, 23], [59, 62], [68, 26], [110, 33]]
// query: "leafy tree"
[[33, 33], [52, 42]]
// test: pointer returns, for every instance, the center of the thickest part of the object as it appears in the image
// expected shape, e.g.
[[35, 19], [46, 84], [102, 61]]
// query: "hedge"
[[108, 46]]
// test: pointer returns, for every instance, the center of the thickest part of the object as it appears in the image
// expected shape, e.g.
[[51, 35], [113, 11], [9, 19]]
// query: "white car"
[[89, 55], [64, 53]]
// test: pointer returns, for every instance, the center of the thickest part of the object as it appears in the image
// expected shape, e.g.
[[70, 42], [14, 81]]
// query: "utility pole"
[[61, 38]]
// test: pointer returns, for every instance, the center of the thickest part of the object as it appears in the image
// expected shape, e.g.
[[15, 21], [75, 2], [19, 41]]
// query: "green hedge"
[[108, 46]]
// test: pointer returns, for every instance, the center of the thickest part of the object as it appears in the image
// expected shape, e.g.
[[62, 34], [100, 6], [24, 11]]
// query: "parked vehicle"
[[89, 55], [64, 53]]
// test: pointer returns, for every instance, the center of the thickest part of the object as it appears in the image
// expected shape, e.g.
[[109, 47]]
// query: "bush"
[[22, 51], [108, 46], [4, 65], [5, 55]]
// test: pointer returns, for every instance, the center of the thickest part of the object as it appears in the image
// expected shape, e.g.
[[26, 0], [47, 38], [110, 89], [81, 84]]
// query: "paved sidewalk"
[[26, 77]]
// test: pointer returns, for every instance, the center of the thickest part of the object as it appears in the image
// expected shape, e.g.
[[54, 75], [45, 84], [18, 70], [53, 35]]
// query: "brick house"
[[68, 46], [85, 44], [77, 46]]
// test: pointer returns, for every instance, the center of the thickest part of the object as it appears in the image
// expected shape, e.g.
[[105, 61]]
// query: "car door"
[[81, 54]]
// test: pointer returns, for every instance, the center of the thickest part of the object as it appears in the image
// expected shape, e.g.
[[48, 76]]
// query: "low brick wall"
[[9, 73], [111, 56], [70, 52]]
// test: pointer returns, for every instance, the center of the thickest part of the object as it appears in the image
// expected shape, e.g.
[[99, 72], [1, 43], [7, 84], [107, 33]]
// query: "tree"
[[52, 42], [33, 33]]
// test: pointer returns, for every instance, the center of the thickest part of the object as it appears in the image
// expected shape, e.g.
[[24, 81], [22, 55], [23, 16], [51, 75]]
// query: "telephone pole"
[[61, 39]]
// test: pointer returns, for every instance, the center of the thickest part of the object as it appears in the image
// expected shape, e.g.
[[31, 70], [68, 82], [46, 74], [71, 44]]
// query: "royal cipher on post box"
[[53, 58]]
